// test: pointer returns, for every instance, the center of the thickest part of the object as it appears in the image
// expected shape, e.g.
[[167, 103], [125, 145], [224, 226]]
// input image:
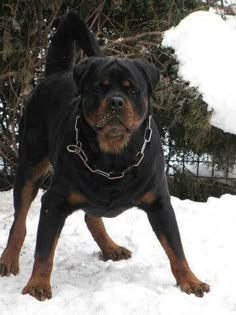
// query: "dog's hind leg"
[[109, 249], [25, 190]]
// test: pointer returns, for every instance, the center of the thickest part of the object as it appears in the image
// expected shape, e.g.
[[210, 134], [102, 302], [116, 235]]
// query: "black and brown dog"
[[93, 124]]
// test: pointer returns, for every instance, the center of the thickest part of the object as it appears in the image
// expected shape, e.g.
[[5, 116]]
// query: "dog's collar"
[[77, 149]]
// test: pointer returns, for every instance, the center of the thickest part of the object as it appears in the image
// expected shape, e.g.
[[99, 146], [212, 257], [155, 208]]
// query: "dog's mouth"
[[112, 126]]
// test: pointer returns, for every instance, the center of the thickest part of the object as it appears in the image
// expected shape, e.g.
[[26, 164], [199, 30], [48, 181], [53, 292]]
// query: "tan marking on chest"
[[76, 198], [148, 197]]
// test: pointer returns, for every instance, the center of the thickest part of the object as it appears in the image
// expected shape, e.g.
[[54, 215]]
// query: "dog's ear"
[[150, 72]]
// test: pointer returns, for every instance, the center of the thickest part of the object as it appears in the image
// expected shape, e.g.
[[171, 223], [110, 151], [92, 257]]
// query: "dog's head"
[[115, 97]]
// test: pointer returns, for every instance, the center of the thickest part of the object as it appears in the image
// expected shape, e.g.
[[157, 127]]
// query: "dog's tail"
[[60, 56]]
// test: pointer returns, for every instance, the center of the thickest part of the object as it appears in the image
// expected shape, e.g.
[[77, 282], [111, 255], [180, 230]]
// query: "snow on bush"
[[205, 46]]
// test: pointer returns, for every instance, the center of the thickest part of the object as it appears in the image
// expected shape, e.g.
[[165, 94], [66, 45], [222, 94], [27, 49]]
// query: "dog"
[[93, 124]]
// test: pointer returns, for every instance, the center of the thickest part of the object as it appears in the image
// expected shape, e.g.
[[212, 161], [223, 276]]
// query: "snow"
[[143, 285], [226, 2], [205, 46], [229, 2], [207, 170]]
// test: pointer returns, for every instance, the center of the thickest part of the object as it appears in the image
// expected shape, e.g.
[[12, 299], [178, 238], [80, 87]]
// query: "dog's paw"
[[197, 287], [116, 253], [8, 266], [40, 291]]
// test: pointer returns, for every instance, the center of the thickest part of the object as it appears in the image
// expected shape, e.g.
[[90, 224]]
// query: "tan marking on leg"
[[10, 256], [110, 250], [185, 278], [9, 262], [41, 169], [39, 284], [19, 233]]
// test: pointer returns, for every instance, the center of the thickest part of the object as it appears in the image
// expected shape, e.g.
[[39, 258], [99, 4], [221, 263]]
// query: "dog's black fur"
[[111, 98]]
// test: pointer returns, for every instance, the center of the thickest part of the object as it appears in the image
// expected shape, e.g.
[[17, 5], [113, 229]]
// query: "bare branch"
[[7, 75]]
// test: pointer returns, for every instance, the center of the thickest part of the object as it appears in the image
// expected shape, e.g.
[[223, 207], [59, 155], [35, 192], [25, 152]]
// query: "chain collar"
[[77, 149]]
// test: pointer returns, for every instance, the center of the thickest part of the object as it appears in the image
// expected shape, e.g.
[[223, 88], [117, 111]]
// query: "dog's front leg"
[[52, 219], [163, 221]]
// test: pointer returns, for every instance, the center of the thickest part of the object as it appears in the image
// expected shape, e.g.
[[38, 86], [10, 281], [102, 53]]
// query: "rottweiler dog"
[[93, 124]]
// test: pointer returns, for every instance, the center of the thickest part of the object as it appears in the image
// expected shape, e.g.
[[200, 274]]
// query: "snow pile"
[[143, 285], [205, 46]]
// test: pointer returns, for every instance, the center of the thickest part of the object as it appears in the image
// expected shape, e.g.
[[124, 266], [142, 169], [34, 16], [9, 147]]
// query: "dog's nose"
[[116, 102]]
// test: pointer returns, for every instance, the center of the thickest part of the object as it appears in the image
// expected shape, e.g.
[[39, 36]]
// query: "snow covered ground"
[[143, 285], [205, 46]]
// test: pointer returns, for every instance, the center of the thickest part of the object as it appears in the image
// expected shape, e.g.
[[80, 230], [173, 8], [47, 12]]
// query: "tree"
[[125, 28]]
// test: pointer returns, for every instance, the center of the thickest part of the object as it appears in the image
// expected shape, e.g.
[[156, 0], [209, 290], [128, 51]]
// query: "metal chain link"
[[77, 149]]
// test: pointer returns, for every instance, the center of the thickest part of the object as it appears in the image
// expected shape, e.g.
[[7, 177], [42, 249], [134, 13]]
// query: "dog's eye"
[[99, 89], [133, 91]]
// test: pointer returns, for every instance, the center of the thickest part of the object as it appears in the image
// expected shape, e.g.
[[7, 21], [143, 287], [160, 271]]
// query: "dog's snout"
[[116, 102]]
